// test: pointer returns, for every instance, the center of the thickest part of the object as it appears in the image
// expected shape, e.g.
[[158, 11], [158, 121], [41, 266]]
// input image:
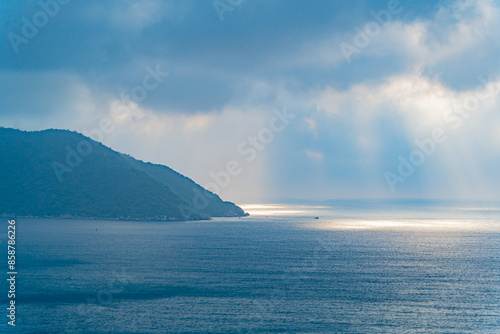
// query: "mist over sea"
[[329, 267]]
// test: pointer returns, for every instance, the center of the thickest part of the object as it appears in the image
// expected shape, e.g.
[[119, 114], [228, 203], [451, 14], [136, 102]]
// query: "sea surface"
[[360, 267]]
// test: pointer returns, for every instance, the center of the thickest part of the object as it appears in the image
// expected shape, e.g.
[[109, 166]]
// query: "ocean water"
[[361, 267]]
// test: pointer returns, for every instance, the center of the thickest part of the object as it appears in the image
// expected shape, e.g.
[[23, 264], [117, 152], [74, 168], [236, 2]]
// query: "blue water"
[[356, 269]]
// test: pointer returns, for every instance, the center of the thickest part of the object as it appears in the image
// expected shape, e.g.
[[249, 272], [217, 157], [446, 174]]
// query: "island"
[[64, 174]]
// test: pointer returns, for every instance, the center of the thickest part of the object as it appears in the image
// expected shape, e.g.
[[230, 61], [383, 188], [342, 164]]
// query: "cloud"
[[439, 44], [353, 119], [421, 104], [462, 28], [46, 99], [318, 156]]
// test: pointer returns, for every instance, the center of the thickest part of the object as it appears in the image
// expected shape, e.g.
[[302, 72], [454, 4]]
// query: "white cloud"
[[464, 27], [315, 155], [461, 27], [138, 14], [422, 104], [423, 101]]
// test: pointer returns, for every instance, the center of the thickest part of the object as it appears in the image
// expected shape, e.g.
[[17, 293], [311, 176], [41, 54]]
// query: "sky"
[[264, 100]]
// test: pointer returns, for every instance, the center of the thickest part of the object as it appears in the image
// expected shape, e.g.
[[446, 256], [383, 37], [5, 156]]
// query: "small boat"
[[316, 217]]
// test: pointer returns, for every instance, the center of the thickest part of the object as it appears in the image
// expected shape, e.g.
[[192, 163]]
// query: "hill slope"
[[188, 190], [58, 173]]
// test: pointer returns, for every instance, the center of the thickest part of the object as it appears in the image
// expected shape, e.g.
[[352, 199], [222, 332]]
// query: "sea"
[[367, 266]]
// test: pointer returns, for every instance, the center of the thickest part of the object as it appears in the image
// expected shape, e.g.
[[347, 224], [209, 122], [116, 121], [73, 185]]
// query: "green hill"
[[58, 173]]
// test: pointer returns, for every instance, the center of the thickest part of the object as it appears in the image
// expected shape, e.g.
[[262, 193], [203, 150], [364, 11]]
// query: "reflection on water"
[[354, 215], [409, 224], [279, 209]]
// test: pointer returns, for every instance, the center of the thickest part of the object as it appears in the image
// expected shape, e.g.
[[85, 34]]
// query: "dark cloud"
[[225, 75]]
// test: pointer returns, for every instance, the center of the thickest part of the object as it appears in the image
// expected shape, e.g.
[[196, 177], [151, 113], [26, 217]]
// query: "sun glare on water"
[[270, 210], [328, 218], [399, 224]]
